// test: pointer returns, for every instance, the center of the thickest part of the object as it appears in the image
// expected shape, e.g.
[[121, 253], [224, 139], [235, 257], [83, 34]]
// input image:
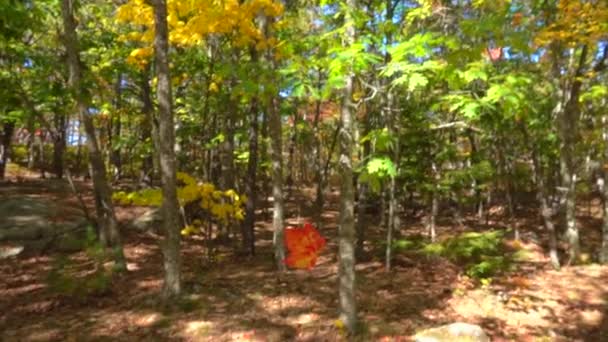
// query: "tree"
[[347, 231], [170, 208], [108, 226]]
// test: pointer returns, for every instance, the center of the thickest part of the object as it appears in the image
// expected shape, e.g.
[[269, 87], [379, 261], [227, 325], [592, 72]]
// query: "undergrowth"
[[483, 255], [63, 277]]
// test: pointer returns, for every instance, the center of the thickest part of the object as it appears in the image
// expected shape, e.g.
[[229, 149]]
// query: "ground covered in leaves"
[[235, 299]]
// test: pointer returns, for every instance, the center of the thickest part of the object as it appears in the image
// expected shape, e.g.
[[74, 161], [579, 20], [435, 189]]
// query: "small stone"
[[10, 251]]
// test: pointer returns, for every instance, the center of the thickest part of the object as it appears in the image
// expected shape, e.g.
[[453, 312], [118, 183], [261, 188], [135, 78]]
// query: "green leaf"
[[416, 81]]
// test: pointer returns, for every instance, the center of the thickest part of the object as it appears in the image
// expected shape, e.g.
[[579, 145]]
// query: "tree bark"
[[567, 115], [170, 207], [432, 231], [108, 228], [115, 130], [59, 144], [542, 196], [250, 185], [363, 193], [393, 131], [275, 129], [347, 232], [149, 130], [276, 154], [318, 165], [604, 249], [292, 149], [5, 146]]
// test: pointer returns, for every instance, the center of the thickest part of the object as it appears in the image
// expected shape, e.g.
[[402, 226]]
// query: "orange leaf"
[[301, 260], [303, 245]]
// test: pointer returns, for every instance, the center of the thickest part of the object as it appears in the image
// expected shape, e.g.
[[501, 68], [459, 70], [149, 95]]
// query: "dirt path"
[[236, 299]]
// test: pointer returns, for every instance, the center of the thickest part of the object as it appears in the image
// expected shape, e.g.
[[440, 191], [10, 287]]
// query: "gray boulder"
[[455, 332]]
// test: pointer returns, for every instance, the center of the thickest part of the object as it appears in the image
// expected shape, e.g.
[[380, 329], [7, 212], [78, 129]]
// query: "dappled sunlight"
[[549, 301], [236, 298], [150, 284], [196, 329]]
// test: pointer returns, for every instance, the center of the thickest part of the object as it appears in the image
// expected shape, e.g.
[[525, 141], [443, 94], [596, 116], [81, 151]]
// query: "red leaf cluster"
[[303, 245]]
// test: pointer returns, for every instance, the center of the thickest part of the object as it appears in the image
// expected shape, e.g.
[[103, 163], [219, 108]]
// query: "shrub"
[[482, 254]]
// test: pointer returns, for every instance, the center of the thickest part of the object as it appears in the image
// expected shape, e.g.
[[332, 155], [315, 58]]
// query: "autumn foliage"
[[303, 245]]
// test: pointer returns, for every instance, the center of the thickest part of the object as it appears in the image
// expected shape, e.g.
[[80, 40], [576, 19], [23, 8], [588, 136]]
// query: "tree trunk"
[[276, 154], [41, 156], [567, 113], [250, 185], [171, 221], [393, 131], [546, 212], [432, 231], [604, 249], [361, 208], [59, 144], [228, 145], [363, 193], [109, 233], [390, 224], [149, 131], [248, 226], [318, 162], [292, 149], [542, 196], [115, 131], [5, 146], [347, 233]]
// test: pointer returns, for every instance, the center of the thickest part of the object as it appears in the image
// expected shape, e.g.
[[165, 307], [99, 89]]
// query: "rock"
[[24, 219], [455, 332], [69, 243], [10, 251], [36, 246], [151, 219], [33, 232]]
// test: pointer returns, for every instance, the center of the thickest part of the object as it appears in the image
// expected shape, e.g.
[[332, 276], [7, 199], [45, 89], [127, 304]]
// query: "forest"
[[304, 170]]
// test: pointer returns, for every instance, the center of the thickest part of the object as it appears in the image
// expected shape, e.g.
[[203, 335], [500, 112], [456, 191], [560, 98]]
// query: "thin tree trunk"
[[604, 249], [41, 156], [276, 154], [318, 159], [252, 166], [432, 231], [228, 145], [542, 195], [292, 149], [347, 232], [171, 221], [363, 192], [109, 233], [390, 224], [5, 146], [546, 212], [149, 130], [392, 198], [115, 131], [59, 144]]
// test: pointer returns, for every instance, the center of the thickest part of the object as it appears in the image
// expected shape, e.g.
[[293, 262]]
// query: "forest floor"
[[239, 299]]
